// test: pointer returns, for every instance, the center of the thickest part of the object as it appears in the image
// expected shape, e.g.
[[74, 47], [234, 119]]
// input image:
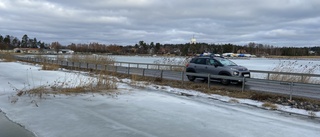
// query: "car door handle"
[[206, 67]]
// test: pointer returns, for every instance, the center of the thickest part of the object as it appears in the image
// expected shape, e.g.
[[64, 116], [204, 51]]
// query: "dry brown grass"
[[98, 83], [48, 66], [270, 105], [134, 79], [8, 57]]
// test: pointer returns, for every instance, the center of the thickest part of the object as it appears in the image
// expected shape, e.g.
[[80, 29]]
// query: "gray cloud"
[[125, 22]]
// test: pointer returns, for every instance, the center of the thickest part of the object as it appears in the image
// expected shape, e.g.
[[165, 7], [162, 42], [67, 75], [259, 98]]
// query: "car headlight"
[[236, 73]]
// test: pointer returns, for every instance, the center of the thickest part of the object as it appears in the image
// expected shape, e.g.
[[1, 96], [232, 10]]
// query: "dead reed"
[[295, 67], [171, 61]]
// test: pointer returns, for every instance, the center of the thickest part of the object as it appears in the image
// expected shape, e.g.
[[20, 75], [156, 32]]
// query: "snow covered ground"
[[141, 109]]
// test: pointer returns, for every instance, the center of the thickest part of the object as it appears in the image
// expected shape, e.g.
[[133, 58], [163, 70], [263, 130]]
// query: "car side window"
[[213, 62], [201, 61], [193, 60]]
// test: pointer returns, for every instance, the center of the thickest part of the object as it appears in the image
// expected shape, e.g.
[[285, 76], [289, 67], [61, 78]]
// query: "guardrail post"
[[302, 79], [243, 83], [87, 65], [129, 70], [209, 76], [182, 77], [96, 67], [161, 75], [291, 84], [143, 71]]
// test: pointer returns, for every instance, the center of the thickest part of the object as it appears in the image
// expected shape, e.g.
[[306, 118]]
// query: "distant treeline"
[[11, 42]]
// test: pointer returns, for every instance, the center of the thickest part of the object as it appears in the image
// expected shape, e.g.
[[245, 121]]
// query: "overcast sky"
[[126, 22]]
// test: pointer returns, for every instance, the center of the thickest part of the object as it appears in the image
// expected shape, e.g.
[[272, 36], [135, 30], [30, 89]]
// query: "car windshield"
[[226, 62]]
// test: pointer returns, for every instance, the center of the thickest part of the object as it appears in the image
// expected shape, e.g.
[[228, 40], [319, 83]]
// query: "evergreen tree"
[[24, 41], [16, 42]]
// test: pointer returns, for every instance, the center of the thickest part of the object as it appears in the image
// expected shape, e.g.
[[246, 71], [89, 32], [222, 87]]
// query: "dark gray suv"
[[216, 66]]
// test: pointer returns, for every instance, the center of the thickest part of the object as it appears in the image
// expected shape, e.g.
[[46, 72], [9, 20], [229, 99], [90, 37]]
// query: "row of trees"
[[190, 49], [10, 42]]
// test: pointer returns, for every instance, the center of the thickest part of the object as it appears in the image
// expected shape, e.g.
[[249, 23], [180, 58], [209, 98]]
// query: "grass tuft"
[[270, 105], [233, 101]]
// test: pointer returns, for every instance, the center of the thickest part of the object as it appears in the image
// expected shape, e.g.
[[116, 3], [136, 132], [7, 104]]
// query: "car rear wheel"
[[191, 78]]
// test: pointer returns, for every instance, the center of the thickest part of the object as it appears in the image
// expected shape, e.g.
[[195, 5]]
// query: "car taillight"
[[187, 65]]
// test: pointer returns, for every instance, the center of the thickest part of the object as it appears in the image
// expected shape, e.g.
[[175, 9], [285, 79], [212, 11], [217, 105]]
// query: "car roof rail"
[[209, 55]]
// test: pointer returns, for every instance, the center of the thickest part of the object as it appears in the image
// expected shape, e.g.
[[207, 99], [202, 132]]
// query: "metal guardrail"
[[301, 75], [177, 72]]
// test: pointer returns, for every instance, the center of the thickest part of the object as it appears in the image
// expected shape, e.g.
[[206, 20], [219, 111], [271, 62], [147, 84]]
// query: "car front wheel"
[[225, 81]]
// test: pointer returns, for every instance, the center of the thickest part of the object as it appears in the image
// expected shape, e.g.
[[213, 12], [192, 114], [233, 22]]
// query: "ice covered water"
[[11, 129]]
